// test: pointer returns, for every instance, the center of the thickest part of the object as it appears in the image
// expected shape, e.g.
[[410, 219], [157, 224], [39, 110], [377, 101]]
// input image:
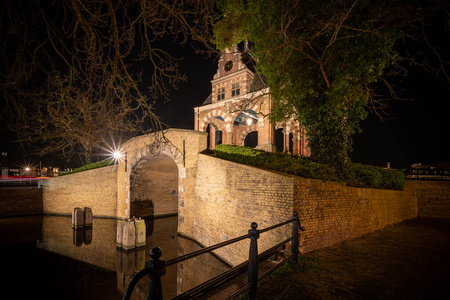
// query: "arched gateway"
[[158, 177]]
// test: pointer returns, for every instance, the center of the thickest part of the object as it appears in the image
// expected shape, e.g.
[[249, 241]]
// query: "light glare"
[[117, 154]]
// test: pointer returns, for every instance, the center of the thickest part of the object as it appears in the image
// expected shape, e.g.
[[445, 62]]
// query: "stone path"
[[410, 260]]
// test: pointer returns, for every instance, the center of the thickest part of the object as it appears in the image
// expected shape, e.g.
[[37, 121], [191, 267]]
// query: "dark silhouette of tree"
[[75, 73]]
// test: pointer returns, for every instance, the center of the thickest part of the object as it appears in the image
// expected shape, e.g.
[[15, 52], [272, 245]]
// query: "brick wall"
[[433, 197], [20, 202], [332, 212], [230, 196], [95, 188]]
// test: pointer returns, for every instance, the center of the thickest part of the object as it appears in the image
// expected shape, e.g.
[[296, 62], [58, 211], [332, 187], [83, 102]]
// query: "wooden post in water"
[[140, 232], [77, 218], [87, 217], [129, 235]]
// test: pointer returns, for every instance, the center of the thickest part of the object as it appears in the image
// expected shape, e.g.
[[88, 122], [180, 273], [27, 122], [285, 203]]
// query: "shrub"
[[366, 176], [392, 179], [295, 165], [376, 177]]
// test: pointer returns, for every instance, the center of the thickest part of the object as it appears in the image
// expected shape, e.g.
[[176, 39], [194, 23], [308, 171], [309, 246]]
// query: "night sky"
[[415, 132]]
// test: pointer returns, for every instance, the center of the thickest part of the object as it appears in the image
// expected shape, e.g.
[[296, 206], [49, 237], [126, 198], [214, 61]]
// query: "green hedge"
[[295, 165], [366, 176], [91, 166], [376, 177]]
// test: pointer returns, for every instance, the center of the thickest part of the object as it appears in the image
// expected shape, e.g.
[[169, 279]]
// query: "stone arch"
[[218, 120], [210, 118], [245, 132], [162, 167]]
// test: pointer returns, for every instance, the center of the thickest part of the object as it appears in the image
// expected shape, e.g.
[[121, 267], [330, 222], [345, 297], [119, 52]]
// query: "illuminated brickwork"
[[236, 112], [218, 199]]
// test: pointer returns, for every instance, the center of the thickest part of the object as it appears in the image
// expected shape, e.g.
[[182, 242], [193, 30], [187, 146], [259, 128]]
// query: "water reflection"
[[96, 246]]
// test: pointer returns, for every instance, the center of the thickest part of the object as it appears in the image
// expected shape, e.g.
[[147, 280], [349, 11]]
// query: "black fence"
[[427, 174], [156, 268]]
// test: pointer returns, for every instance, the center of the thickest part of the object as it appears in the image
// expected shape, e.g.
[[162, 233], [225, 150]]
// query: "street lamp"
[[117, 155]]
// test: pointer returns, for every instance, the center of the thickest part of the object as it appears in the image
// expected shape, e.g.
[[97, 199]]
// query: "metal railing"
[[156, 268]]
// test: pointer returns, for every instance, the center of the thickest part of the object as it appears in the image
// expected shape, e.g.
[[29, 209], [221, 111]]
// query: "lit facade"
[[236, 112]]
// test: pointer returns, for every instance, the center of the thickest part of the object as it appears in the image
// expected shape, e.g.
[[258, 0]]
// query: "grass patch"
[[96, 165]]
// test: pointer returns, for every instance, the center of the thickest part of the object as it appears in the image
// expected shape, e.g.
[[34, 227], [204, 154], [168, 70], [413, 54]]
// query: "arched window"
[[279, 139], [291, 143], [247, 117], [208, 140], [218, 137]]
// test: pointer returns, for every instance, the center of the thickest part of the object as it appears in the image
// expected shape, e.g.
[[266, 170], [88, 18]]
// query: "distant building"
[[439, 171], [236, 112]]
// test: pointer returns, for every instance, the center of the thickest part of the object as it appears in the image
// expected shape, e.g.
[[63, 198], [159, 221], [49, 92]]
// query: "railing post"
[[158, 269], [294, 243], [253, 265]]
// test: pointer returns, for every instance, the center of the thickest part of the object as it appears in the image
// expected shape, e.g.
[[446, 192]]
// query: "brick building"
[[236, 112]]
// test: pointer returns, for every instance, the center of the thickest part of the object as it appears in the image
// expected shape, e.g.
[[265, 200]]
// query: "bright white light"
[[117, 155], [249, 121], [27, 169]]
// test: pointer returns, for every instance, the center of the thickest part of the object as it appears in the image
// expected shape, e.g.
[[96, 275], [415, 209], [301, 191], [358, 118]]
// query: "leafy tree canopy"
[[323, 60]]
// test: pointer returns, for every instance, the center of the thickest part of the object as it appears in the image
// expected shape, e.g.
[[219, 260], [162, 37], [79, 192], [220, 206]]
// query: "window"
[[220, 93], [235, 89]]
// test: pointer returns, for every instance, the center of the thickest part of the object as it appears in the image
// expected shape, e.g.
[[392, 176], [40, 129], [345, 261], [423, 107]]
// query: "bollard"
[[77, 217], [129, 235], [87, 217], [119, 235], [140, 232]]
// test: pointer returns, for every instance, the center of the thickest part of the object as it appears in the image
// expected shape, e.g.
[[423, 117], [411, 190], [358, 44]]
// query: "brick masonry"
[[332, 212], [218, 199], [96, 189], [230, 196], [433, 198], [20, 202]]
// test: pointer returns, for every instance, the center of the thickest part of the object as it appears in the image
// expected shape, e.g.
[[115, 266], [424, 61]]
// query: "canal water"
[[43, 257]]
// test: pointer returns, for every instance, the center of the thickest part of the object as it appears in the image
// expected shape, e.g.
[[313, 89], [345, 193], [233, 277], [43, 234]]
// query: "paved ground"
[[410, 260]]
